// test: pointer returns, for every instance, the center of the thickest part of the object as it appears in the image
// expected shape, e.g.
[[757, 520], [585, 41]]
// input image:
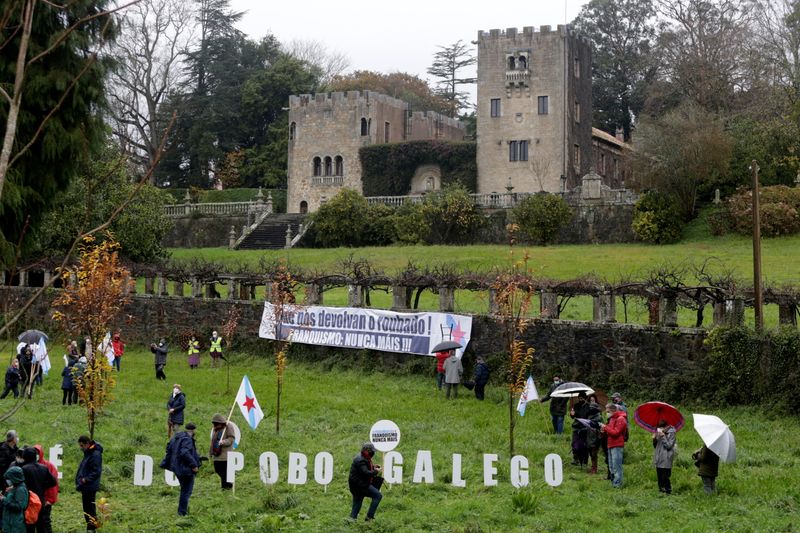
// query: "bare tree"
[[777, 28], [703, 48], [328, 63], [150, 49], [540, 167]]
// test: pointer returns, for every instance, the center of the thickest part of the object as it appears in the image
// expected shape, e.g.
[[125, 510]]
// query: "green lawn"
[[332, 409]]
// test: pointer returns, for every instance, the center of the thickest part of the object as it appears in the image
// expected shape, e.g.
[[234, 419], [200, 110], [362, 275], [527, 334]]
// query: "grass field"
[[611, 262], [332, 410]]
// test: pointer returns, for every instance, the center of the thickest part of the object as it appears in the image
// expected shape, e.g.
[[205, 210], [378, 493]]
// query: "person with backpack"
[[361, 482], [87, 478], [14, 501], [51, 494], [182, 459], [38, 480]]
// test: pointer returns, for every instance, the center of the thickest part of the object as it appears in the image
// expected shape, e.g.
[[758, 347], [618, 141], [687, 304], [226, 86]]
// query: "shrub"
[[657, 218], [409, 224], [343, 220], [541, 216], [380, 229], [451, 215], [780, 211]]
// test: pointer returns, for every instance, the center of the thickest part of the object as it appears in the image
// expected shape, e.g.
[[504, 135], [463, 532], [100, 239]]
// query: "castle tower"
[[534, 109], [326, 132]]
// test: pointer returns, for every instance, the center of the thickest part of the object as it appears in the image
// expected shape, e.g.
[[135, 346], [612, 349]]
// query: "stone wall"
[[202, 232], [598, 352]]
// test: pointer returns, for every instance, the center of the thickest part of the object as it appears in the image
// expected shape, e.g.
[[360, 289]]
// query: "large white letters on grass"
[[55, 458], [297, 469], [235, 464]]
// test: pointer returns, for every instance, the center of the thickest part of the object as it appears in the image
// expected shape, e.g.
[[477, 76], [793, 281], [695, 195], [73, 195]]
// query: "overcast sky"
[[397, 36]]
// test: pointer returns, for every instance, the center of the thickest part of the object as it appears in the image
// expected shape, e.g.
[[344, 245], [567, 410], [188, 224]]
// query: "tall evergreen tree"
[[60, 85], [447, 65]]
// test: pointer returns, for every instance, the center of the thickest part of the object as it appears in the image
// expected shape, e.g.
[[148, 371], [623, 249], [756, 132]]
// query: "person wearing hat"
[[14, 501], [38, 480], [222, 437], [452, 374], [362, 474], [617, 399], [175, 406], [183, 460]]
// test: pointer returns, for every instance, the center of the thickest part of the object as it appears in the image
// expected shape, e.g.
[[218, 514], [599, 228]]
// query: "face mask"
[[8, 482], [175, 391]]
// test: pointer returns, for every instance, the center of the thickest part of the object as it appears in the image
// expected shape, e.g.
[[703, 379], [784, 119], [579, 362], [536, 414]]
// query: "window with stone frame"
[[328, 166], [317, 166], [292, 131], [576, 157], [518, 150], [338, 166], [543, 105], [386, 130], [364, 127], [577, 111], [495, 107]]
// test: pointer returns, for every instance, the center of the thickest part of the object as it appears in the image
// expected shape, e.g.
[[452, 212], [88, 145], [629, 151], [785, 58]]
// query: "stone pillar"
[[494, 309], [161, 284], [269, 202], [653, 306], [289, 236], [232, 238], [23, 278], [231, 289], [548, 304], [787, 314], [604, 307], [447, 299], [197, 288], [668, 312], [399, 298], [313, 294], [48, 276], [355, 296], [177, 288], [187, 204], [268, 292], [148, 285], [729, 313], [2, 278], [73, 281]]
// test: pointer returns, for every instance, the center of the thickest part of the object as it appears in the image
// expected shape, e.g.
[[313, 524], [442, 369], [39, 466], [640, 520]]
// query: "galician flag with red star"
[[246, 399]]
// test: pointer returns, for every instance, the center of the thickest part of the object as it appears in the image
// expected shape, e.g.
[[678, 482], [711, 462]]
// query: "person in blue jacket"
[[87, 478], [183, 460], [175, 406], [481, 376]]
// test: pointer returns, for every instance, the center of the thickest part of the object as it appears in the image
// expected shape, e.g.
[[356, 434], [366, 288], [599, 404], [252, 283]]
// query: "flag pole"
[[230, 414]]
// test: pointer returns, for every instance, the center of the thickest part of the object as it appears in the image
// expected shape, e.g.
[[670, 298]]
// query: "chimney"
[[620, 134]]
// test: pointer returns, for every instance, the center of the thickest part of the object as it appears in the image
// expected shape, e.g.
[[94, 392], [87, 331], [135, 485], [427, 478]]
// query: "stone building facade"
[[612, 157], [534, 109], [327, 130]]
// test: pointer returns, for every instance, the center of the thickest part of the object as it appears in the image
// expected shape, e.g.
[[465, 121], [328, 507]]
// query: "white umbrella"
[[570, 389], [716, 436]]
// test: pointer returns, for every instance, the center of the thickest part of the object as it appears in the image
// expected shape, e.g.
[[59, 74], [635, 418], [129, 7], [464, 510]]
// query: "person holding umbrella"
[[663, 453], [452, 374], [558, 406], [718, 445], [707, 463]]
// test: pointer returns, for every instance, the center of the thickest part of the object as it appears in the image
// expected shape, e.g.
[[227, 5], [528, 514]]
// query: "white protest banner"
[[384, 435], [375, 329]]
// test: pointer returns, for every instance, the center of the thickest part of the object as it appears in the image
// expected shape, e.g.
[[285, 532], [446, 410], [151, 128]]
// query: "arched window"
[[338, 168], [303, 207], [292, 131], [328, 166], [511, 63], [523, 62], [317, 166], [364, 127]]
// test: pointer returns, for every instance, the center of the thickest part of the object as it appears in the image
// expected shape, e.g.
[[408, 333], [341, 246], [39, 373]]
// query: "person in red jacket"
[[119, 349], [51, 494], [615, 431], [441, 357]]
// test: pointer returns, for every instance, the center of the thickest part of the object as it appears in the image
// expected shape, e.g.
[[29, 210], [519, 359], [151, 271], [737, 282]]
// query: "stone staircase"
[[270, 232]]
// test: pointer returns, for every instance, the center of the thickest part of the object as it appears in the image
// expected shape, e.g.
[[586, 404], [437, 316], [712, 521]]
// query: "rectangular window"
[[576, 156], [577, 112], [603, 164], [495, 107], [543, 104], [577, 67], [386, 132], [523, 150], [512, 150]]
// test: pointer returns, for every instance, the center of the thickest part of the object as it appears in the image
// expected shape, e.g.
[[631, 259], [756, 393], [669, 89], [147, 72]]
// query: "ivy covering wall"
[[387, 169]]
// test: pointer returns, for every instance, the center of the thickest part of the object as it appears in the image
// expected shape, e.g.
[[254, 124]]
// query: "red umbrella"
[[648, 414]]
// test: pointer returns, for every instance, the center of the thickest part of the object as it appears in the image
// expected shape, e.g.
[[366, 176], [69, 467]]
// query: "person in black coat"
[[37, 479], [183, 460], [12, 380], [67, 384], [160, 352], [362, 473], [26, 369], [8, 452], [175, 406], [580, 448], [481, 376], [87, 478], [558, 406]]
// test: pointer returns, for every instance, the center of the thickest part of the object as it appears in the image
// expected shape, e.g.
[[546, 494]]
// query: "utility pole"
[[758, 299]]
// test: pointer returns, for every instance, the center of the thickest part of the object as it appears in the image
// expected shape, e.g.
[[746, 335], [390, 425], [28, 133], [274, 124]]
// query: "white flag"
[[528, 395], [246, 399]]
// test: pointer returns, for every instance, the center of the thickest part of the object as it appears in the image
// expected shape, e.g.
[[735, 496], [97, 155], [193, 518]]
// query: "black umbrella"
[[32, 336], [446, 345], [570, 389]]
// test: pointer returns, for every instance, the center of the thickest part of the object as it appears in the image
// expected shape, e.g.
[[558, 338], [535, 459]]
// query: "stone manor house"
[[534, 131]]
